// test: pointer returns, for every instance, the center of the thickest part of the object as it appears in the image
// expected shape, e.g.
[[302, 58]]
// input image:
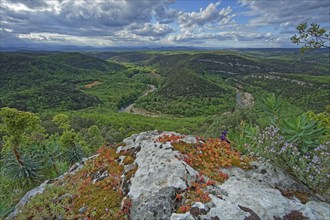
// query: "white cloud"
[[211, 14], [148, 29]]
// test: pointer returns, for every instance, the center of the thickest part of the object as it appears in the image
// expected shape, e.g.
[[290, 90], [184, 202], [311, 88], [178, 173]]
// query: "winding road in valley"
[[131, 109], [243, 99]]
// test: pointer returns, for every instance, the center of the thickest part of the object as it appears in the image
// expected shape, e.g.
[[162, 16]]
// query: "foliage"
[[48, 205], [199, 83], [310, 167], [297, 90], [74, 153], [40, 82], [48, 154], [62, 121], [323, 119], [11, 192], [70, 141], [273, 107], [185, 106], [27, 173], [305, 132], [311, 36], [116, 126], [246, 134], [94, 137], [5, 208], [231, 121], [20, 127]]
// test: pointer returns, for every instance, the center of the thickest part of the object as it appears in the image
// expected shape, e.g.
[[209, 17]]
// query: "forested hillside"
[[43, 81]]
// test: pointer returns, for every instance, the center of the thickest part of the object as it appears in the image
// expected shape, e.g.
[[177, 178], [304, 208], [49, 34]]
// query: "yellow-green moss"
[[100, 203], [128, 160]]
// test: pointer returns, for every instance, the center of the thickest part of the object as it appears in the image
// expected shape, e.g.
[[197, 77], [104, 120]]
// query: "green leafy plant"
[[272, 106], [27, 173], [70, 140], [94, 137], [74, 153], [5, 208], [244, 138], [311, 167], [48, 154], [305, 132], [323, 119]]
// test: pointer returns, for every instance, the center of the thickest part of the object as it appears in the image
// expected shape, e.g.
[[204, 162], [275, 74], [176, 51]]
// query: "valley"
[[164, 110], [130, 108], [78, 102]]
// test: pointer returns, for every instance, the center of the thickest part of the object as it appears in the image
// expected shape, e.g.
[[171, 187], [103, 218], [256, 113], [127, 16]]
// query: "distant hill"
[[189, 82], [218, 73], [36, 81]]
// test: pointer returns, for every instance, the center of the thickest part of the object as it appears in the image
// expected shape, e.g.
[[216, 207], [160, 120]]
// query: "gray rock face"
[[160, 174], [158, 166], [245, 190], [245, 193], [156, 206], [253, 193]]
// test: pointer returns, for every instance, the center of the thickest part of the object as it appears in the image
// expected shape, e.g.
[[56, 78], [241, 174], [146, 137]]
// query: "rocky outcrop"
[[244, 100], [158, 168], [161, 174], [256, 194]]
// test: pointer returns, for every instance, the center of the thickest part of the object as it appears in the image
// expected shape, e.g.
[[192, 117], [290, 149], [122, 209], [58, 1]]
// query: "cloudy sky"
[[203, 23]]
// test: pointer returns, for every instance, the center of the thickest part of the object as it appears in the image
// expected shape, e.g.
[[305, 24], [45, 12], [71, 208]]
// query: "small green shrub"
[[305, 132], [272, 106], [311, 167], [74, 153], [51, 204], [246, 136], [27, 173]]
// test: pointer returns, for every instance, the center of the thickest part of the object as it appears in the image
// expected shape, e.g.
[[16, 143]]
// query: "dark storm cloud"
[[86, 18]]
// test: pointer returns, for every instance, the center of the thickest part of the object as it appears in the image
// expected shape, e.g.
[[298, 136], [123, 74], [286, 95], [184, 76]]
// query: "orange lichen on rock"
[[195, 193], [94, 191], [210, 156]]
